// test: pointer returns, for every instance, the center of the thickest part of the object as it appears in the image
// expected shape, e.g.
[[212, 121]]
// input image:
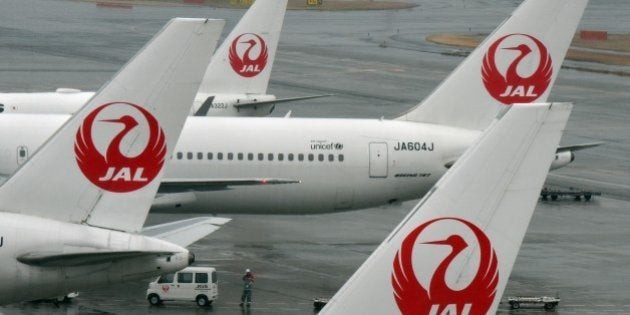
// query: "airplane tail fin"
[[454, 252], [243, 62], [517, 63], [117, 144]]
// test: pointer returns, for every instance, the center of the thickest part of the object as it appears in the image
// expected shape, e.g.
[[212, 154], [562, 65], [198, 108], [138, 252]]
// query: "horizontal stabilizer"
[[205, 107], [577, 147], [185, 184], [56, 259], [281, 100], [185, 232]]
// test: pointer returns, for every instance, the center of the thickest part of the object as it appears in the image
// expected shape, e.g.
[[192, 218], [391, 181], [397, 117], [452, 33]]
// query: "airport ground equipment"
[[576, 194], [548, 302], [319, 303]]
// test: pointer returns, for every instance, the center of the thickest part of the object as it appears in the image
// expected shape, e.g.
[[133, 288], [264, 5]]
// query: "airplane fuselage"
[[342, 164], [26, 240], [67, 101]]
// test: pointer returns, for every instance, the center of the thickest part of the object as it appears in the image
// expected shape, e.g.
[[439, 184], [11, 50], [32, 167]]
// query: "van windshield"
[[167, 278]]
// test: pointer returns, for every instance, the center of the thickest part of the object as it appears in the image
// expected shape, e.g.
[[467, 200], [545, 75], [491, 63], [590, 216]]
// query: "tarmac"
[[578, 251]]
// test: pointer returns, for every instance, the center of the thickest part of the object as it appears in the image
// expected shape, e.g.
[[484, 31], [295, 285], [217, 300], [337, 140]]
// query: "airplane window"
[[201, 277], [280, 156], [320, 157], [311, 157], [199, 155], [230, 156], [184, 277], [189, 155], [1, 108], [261, 156], [290, 156], [209, 155], [301, 157], [250, 156], [331, 157], [180, 155], [270, 156], [340, 157], [219, 156], [240, 156]]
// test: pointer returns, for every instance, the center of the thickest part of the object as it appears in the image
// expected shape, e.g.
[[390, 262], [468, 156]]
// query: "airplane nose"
[[191, 258]]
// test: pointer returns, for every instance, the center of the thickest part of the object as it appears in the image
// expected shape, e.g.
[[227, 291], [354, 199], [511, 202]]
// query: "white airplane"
[[235, 82], [454, 252], [65, 225], [293, 165]]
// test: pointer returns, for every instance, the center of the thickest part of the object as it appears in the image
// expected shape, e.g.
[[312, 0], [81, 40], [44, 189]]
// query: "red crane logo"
[[412, 298], [242, 60], [512, 87], [116, 171]]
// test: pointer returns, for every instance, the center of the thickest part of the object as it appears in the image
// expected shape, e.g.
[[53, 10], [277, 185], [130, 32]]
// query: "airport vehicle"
[[548, 302], [454, 252], [235, 82], [66, 223], [293, 165], [198, 284], [576, 194]]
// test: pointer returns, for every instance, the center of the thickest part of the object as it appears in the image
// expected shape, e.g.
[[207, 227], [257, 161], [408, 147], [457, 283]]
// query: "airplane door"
[[22, 154], [378, 160]]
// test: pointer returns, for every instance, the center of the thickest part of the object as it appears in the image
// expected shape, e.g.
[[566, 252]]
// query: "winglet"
[[471, 224], [243, 62], [118, 142], [518, 63]]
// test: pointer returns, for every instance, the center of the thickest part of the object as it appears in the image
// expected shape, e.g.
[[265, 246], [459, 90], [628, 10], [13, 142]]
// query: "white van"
[[197, 284]]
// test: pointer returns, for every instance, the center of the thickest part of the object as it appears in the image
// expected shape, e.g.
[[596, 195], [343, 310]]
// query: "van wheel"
[[202, 300], [154, 299]]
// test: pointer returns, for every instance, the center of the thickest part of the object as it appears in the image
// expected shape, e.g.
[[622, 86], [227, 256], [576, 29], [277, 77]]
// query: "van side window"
[[184, 277], [167, 278], [201, 277]]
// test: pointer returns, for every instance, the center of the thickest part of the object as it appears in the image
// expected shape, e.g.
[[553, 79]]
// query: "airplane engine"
[[562, 159]]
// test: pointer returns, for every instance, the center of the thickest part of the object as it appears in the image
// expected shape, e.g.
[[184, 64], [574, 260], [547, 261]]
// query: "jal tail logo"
[[528, 69], [118, 171], [436, 296], [248, 55]]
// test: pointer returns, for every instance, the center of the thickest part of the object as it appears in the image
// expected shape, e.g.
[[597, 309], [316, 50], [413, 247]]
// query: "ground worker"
[[248, 283]]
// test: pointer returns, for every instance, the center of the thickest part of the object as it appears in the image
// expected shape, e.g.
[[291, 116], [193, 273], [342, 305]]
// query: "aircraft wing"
[[185, 184], [281, 100], [185, 232], [577, 147]]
